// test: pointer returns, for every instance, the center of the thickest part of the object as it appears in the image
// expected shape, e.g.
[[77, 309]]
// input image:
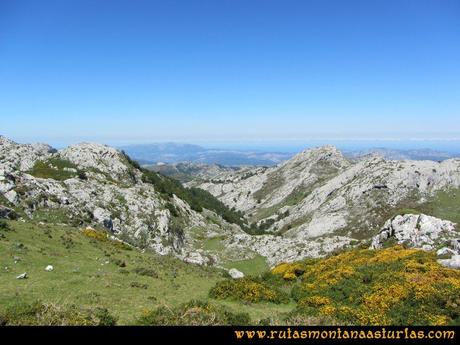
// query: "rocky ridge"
[[187, 171], [100, 187], [319, 192], [313, 204], [422, 232], [319, 201]]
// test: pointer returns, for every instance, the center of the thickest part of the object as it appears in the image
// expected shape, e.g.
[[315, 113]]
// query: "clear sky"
[[138, 71]]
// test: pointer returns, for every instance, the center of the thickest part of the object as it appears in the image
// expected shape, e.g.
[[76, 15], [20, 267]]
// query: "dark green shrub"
[[172, 209], [142, 271], [105, 318], [67, 241], [4, 225], [139, 285], [119, 263]]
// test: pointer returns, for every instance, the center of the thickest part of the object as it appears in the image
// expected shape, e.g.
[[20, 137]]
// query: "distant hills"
[[176, 153], [172, 153], [395, 154]]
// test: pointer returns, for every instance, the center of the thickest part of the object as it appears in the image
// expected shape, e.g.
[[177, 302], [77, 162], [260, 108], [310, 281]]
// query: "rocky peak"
[[102, 158], [326, 149], [22, 156], [4, 141], [328, 155]]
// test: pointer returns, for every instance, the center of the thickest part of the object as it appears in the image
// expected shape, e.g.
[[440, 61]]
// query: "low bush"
[[67, 241], [142, 271], [4, 225], [193, 313], [119, 262], [39, 314], [139, 285]]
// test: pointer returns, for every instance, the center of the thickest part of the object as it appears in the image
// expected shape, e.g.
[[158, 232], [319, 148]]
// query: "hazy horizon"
[[451, 146], [141, 71]]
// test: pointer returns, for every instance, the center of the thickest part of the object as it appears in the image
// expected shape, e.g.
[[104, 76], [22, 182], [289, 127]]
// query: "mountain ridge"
[[317, 202], [94, 184], [319, 194]]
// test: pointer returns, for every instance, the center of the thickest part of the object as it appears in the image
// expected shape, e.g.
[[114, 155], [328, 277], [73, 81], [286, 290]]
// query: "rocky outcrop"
[[453, 262], [21, 157], [416, 231], [422, 232], [102, 159], [187, 171]]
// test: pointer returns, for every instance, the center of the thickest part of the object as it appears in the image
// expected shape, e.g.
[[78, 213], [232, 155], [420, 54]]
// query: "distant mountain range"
[[171, 153], [176, 153], [395, 154]]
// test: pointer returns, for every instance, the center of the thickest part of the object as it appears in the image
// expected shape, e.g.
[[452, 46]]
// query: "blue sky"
[[237, 70]]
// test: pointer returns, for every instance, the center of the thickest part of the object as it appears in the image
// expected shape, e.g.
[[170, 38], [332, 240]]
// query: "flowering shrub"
[[248, 290], [100, 235], [327, 310], [374, 287], [314, 301], [95, 234], [290, 271]]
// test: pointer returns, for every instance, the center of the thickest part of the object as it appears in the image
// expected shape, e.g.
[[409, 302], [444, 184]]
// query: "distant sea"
[[449, 146]]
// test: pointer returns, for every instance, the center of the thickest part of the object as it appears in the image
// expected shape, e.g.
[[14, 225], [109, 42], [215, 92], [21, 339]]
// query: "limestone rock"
[[453, 262], [416, 231], [100, 158], [235, 274], [445, 251]]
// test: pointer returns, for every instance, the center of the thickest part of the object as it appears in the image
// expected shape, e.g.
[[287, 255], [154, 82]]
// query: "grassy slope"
[[444, 205], [254, 266], [391, 286], [83, 277]]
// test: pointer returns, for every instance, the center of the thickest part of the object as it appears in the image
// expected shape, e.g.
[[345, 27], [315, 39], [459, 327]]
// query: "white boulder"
[[453, 262], [235, 274], [445, 251]]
